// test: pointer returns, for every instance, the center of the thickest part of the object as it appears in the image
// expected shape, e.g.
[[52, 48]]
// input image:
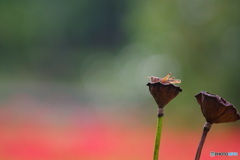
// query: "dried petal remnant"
[[215, 109], [166, 79]]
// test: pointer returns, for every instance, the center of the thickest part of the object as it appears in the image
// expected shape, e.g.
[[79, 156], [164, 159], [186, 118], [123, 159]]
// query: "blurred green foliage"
[[105, 49]]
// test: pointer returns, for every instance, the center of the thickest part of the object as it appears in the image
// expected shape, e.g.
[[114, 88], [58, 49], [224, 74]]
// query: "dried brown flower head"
[[215, 109], [162, 89]]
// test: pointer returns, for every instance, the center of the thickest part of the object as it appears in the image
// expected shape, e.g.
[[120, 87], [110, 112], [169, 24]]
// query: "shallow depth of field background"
[[73, 77]]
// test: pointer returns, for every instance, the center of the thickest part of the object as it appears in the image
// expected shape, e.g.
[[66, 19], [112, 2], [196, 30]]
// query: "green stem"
[[158, 137]]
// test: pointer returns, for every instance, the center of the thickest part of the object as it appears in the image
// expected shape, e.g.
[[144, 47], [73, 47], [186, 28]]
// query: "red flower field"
[[32, 131]]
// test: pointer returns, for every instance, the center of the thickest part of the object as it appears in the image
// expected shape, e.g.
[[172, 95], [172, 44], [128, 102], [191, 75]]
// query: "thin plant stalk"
[[158, 137], [206, 128]]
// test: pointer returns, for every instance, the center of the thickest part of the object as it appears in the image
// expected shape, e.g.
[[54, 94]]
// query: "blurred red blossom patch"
[[30, 130]]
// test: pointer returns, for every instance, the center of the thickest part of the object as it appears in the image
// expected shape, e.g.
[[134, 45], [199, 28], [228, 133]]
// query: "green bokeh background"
[[100, 52], [78, 70]]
